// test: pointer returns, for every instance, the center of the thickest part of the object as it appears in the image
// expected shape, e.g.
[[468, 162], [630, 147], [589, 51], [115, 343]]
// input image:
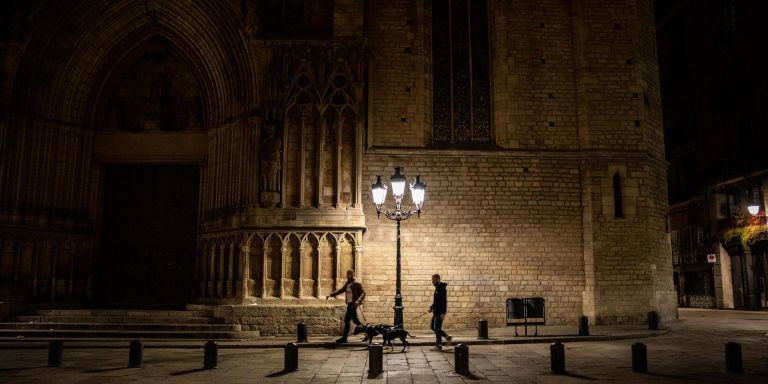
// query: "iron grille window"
[[461, 72]]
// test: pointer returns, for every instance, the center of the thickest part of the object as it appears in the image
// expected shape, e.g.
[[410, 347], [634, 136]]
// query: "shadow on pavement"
[[21, 368], [106, 369], [576, 376], [471, 376], [668, 376], [179, 373], [279, 373]]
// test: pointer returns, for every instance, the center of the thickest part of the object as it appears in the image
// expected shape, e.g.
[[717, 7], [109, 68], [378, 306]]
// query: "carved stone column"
[[54, 262], [264, 271], [35, 262], [302, 160], [283, 258], [340, 275], [358, 163], [220, 281], [302, 253], [71, 273], [321, 245], [245, 272], [358, 262], [320, 159], [230, 290], [210, 292], [339, 160]]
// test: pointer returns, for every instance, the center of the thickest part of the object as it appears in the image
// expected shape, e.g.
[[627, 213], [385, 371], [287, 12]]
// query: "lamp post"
[[399, 214], [750, 299]]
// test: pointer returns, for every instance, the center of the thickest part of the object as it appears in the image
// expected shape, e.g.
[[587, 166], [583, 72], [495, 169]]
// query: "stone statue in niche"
[[251, 22], [271, 161]]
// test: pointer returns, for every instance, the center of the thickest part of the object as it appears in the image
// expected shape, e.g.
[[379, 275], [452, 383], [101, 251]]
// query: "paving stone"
[[691, 352]]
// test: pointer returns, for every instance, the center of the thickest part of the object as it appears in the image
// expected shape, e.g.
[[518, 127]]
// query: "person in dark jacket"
[[439, 308], [354, 295]]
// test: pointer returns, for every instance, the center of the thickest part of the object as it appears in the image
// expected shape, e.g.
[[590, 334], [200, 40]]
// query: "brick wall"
[[575, 100], [348, 18], [494, 226]]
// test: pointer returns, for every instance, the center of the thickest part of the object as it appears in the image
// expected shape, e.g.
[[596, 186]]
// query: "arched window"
[[618, 211], [461, 109]]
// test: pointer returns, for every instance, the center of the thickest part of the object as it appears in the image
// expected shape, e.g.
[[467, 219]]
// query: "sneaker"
[[341, 340], [448, 339], [437, 348]]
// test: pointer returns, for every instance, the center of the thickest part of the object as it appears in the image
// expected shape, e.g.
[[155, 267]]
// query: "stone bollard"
[[639, 358], [482, 329], [301, 333], [653, 321], [135, 354], [375, 359], [211, 355], [461, 363], [557, 357], [291, 357], [55, 352], [583, 326], [733, 363]]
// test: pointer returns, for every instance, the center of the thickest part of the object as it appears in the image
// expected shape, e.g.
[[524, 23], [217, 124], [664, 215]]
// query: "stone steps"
[[126, 327], [123, 312], [196, 323], [123, 334], [117, 319]]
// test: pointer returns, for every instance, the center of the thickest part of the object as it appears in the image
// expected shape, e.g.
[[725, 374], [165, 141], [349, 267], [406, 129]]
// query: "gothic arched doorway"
[[148, 233], [150, 143]]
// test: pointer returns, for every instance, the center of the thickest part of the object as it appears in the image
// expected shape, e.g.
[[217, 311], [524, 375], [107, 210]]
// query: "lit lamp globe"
[[417, 194], [753, 209], [379, 191], [398, 184]]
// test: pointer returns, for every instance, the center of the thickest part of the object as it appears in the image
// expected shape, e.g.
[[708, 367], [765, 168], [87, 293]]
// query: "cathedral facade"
[[167, 153]]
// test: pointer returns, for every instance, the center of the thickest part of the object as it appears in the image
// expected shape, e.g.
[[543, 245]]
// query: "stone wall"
[[575, 102], [278, 319], [494, 226]]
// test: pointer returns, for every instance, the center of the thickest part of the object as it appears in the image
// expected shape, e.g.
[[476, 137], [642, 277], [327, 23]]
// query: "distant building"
[[715, 102]]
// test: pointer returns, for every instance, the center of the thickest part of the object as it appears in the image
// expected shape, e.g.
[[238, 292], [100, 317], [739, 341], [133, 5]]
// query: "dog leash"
[[410, 320], [360, 307]]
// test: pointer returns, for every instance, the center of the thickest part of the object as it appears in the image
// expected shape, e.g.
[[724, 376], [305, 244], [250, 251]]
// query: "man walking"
[[438, 308], [354, 294]]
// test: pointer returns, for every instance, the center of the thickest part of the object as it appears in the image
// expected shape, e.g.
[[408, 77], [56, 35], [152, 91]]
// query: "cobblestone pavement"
[[692, 352]]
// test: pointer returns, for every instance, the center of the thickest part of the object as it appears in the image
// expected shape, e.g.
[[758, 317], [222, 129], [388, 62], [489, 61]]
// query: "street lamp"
[[379, 191], [751, 300]]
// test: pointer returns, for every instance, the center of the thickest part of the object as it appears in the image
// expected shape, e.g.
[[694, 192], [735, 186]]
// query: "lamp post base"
[[398, 309], [398, 315]]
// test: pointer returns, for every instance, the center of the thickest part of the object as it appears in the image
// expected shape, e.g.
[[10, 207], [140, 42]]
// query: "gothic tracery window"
[[461, 72]]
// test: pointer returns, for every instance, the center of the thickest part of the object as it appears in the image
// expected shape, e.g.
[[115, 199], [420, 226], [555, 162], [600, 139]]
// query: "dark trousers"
[[437, 326], [351, 315]]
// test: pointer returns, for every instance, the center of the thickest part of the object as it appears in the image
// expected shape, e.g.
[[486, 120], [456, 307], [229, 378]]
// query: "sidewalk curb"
[[226, 344]]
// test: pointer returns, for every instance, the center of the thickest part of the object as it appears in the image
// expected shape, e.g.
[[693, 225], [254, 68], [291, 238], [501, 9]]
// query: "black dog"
[[370, 330], [391, 333]]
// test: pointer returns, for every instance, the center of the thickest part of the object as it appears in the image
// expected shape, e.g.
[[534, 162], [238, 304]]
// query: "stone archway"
[[61, 96]]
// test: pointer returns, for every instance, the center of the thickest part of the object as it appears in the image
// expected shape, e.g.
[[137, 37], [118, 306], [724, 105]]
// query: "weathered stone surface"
[[533, 214], [281, 319]]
